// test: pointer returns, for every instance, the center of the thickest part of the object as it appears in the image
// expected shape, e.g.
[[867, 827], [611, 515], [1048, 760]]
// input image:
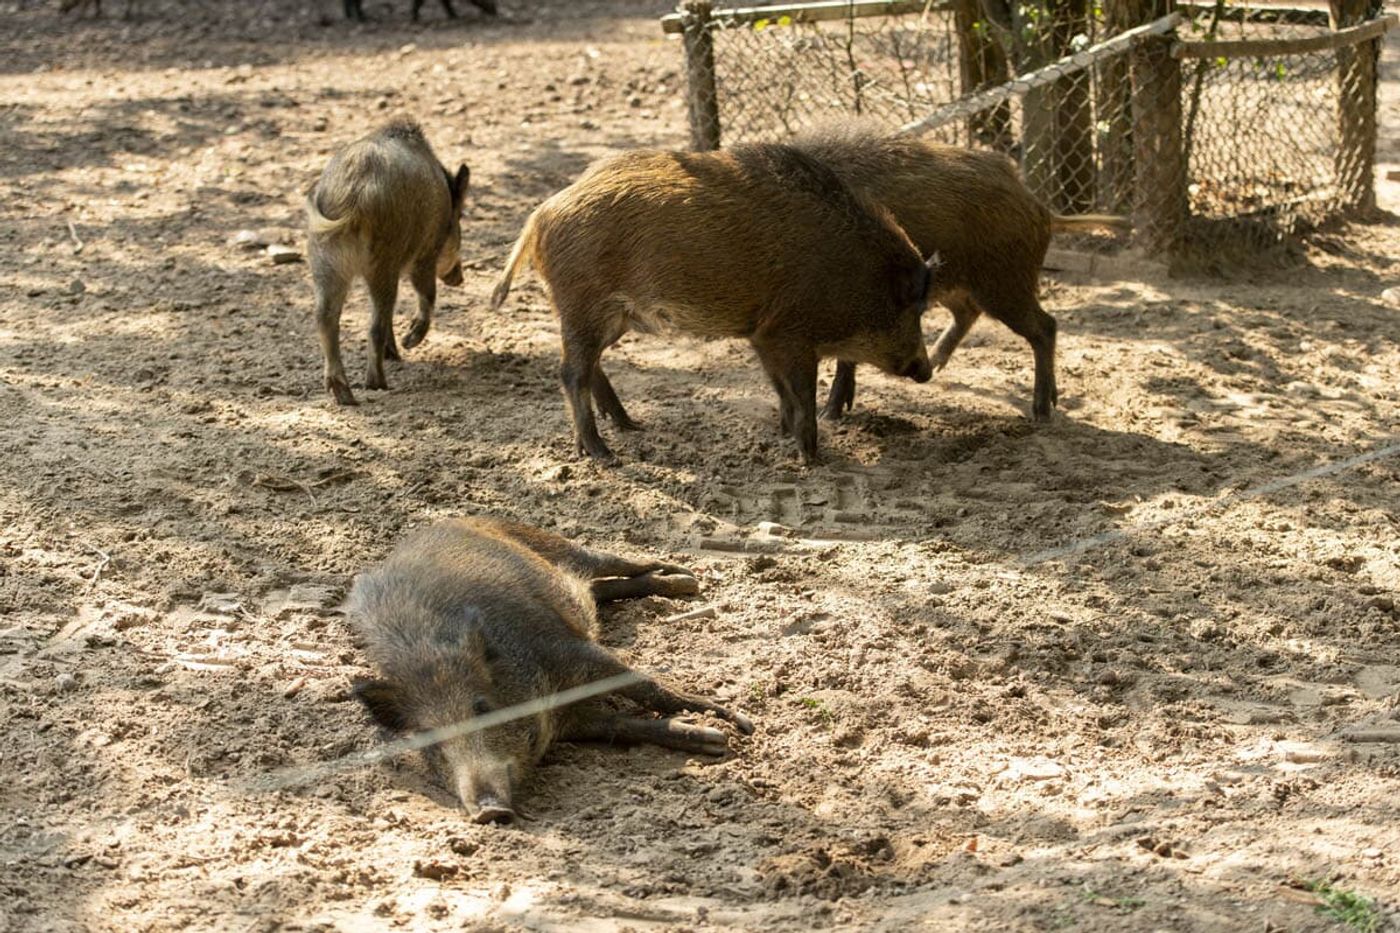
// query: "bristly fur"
[[971, 209], [761, 241]]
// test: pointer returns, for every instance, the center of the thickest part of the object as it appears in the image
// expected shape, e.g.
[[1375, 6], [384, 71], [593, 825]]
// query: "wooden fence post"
[[1356, 107], [1159, 168], [1113, 87], [981, 64], [702, 98]]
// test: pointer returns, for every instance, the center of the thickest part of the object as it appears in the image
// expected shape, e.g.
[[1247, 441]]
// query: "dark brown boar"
[[383, 207], [758, 241], [972, 210], [471, 615]]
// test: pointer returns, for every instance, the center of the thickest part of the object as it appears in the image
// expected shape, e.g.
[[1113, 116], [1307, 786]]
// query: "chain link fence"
[[1210, 126]]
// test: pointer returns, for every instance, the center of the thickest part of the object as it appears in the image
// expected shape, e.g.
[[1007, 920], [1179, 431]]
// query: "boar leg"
[[424, 281], [580, 560], [965, 314], [629, 730], [1015, 305], [608, 402], [447, 6], [842, 396], [383, 292], [331, 288], [648, 584], [794, 371], [651, 695], [581, 352]]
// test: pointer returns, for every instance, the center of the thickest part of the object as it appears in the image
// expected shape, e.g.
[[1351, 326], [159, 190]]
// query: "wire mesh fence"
[[1208, 125]]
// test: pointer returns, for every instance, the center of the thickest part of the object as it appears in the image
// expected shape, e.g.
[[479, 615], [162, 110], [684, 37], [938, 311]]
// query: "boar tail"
[[1071, 223], [321, 225], [520, 254]]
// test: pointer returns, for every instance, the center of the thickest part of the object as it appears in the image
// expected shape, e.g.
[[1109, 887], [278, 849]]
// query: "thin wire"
[[302, 774]]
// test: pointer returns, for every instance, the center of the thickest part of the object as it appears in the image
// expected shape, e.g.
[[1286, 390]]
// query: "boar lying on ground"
[[762, 242], [384, 206], [472, 615], [970, 209]]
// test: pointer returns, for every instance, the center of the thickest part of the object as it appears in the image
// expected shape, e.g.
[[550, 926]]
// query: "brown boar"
[[471, 615], [758, 241], [972, 210], [354, 9], [383, 207]]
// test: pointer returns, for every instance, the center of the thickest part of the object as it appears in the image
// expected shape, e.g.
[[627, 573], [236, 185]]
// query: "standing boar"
[[758, 241], [972, 210], [384, 206], [472, 615]]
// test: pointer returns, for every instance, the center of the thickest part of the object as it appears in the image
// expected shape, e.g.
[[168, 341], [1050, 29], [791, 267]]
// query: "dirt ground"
[[1170, 727]]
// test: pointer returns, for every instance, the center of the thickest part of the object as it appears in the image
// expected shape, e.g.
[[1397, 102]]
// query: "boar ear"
[[460, 183], [382, 700], [931, 266]]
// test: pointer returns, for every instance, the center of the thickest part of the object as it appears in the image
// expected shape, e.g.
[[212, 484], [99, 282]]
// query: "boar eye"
[[481, 707]]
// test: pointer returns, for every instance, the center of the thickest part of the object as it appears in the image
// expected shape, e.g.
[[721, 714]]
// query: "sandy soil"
[[1160, 731]]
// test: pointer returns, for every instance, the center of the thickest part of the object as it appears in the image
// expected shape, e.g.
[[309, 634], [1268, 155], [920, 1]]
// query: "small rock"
[[248, 239], [76, 287], [282, 255], [221, 603], [66, 683], [1391, 296]]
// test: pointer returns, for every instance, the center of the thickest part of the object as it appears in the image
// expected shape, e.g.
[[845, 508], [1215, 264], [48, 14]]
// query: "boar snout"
[[453, 276], [490, 810], [919, 369], [484, 788]]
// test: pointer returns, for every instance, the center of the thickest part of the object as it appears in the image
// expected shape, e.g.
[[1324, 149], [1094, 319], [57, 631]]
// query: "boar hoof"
[[674, 584], [597, 450], [416, 332], [741, 722], [341, 390], [376, 382]]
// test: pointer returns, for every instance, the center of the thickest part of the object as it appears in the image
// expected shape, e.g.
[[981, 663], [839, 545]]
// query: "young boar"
[[383, 207], [759, 241], [972, 210], [475, 614]]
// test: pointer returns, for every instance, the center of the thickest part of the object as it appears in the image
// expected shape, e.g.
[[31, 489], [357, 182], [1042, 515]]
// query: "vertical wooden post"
[[1159, 169], [1356, 108], [1114, 103], [981, 63], [1057, 143], [1074, 116], [701, 96]]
